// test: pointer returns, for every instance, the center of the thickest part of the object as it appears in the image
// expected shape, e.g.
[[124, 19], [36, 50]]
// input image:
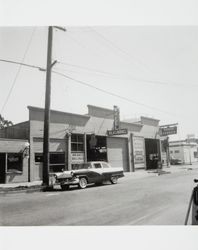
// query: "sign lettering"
[[123, 131], [168, 131]]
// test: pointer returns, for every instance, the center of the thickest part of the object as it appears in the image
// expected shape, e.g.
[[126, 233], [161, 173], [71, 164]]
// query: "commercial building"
[[183, 150], [76, 138]]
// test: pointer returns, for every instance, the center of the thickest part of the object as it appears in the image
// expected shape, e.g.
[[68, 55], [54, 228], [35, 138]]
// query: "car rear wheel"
[[82, 183], [114, 180], [65, 187]]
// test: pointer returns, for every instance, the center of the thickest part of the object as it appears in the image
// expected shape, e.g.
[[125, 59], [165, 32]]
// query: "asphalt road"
[[152, 200]]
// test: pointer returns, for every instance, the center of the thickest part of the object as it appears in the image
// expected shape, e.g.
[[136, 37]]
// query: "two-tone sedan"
[[95, 172]]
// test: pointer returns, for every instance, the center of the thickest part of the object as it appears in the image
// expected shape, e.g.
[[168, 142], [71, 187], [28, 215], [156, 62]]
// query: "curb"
[[40, 188], [5, 191]]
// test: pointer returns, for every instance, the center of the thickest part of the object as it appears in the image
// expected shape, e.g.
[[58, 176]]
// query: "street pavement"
[[147, 199]]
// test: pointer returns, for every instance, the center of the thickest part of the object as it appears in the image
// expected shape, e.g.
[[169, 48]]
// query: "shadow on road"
[[75, 187]]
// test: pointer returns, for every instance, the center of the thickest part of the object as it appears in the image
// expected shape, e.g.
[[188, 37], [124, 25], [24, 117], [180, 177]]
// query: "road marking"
[[53, 194]]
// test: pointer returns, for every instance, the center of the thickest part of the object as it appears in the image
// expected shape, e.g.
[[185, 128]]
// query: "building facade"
[[76, 138], [183, 150]]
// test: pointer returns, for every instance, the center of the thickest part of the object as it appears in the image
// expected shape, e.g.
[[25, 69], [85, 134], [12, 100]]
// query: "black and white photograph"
[[99, 127]]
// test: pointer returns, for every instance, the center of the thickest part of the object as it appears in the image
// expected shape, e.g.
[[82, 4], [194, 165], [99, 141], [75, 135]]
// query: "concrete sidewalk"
[[138, 174], [33, 186]]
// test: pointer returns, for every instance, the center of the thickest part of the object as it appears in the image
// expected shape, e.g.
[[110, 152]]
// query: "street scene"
[[139, 199], [97, 126]]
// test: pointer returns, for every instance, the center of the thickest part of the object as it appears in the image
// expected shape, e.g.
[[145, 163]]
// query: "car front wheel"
[[114, 180], [82, 183]]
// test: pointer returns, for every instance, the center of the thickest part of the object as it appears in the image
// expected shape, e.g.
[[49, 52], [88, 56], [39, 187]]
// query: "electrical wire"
[[109, 74], [111, 93], [129, 56], [18, 71], [22, 64], [115, 46], [128, 77]]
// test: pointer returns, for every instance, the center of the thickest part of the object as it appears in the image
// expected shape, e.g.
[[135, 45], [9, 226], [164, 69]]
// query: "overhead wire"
[[129, 56], [126, 77], [22, 64], [121, 50], [18, 71], [112, 75], [111, 93]]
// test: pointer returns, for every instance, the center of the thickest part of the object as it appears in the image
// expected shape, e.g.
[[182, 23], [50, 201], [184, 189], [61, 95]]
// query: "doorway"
[[96, 148], [152, 148], [2, 168]]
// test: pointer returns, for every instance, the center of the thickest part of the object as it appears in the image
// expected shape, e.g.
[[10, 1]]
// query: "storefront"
[[75, 139], [14, 156]]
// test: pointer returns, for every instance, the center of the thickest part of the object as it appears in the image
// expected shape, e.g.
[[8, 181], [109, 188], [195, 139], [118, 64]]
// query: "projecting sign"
[[122, 131], [168, 131]]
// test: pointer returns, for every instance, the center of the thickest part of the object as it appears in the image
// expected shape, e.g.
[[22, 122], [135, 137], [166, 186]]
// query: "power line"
[[115, 46], [120, 77], [18, 71], [113, 76], [22, 64], [89, 85], [111, 93]]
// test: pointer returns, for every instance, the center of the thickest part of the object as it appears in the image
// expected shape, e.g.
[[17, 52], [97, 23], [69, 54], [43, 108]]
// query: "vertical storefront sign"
[[77, 158], [138, 151]]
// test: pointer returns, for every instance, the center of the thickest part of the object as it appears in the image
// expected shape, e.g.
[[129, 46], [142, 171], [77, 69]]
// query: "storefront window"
[[77, 143], [14, 163], [57, 162]]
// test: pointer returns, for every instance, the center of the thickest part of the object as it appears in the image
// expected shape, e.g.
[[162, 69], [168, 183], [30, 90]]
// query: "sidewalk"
[[141, 173], [33, 186], [36, 186]]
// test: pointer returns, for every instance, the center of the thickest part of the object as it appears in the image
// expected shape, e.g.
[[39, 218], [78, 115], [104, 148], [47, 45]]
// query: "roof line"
[[57, 111]]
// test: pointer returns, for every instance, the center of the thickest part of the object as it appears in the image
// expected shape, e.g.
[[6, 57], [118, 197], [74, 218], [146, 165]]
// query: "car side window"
[[97, 165], [105, 165]]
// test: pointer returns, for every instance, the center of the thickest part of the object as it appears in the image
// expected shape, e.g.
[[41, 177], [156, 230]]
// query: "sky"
[[146, 70]]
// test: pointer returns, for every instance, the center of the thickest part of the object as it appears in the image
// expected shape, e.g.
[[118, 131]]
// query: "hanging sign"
[[122, 131], [168, 131]]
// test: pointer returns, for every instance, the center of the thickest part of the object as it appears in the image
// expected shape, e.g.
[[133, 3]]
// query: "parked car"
[[87, 173], [174, 161]]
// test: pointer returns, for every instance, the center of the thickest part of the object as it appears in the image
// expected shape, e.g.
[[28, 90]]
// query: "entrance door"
[[117, 152], [152, 148], [2, 167]]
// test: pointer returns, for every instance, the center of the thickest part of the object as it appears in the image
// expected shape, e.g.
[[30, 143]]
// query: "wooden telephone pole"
[[47, 107], [47, 110]]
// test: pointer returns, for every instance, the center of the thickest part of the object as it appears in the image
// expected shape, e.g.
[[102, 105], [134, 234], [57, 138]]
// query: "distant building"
[[184, 150]]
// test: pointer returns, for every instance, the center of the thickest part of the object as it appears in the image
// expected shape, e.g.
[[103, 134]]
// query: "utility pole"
[[46, 140], [47, 110]]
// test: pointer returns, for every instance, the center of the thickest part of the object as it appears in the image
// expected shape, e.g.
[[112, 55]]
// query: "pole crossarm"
[[53, 63], [60, 28]]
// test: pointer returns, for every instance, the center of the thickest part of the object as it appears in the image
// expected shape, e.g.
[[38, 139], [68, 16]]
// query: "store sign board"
[[77, 158], [122, 131], [138, 149], [168, 131]]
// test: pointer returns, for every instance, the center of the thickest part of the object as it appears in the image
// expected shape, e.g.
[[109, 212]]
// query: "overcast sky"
[[154, 69]]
